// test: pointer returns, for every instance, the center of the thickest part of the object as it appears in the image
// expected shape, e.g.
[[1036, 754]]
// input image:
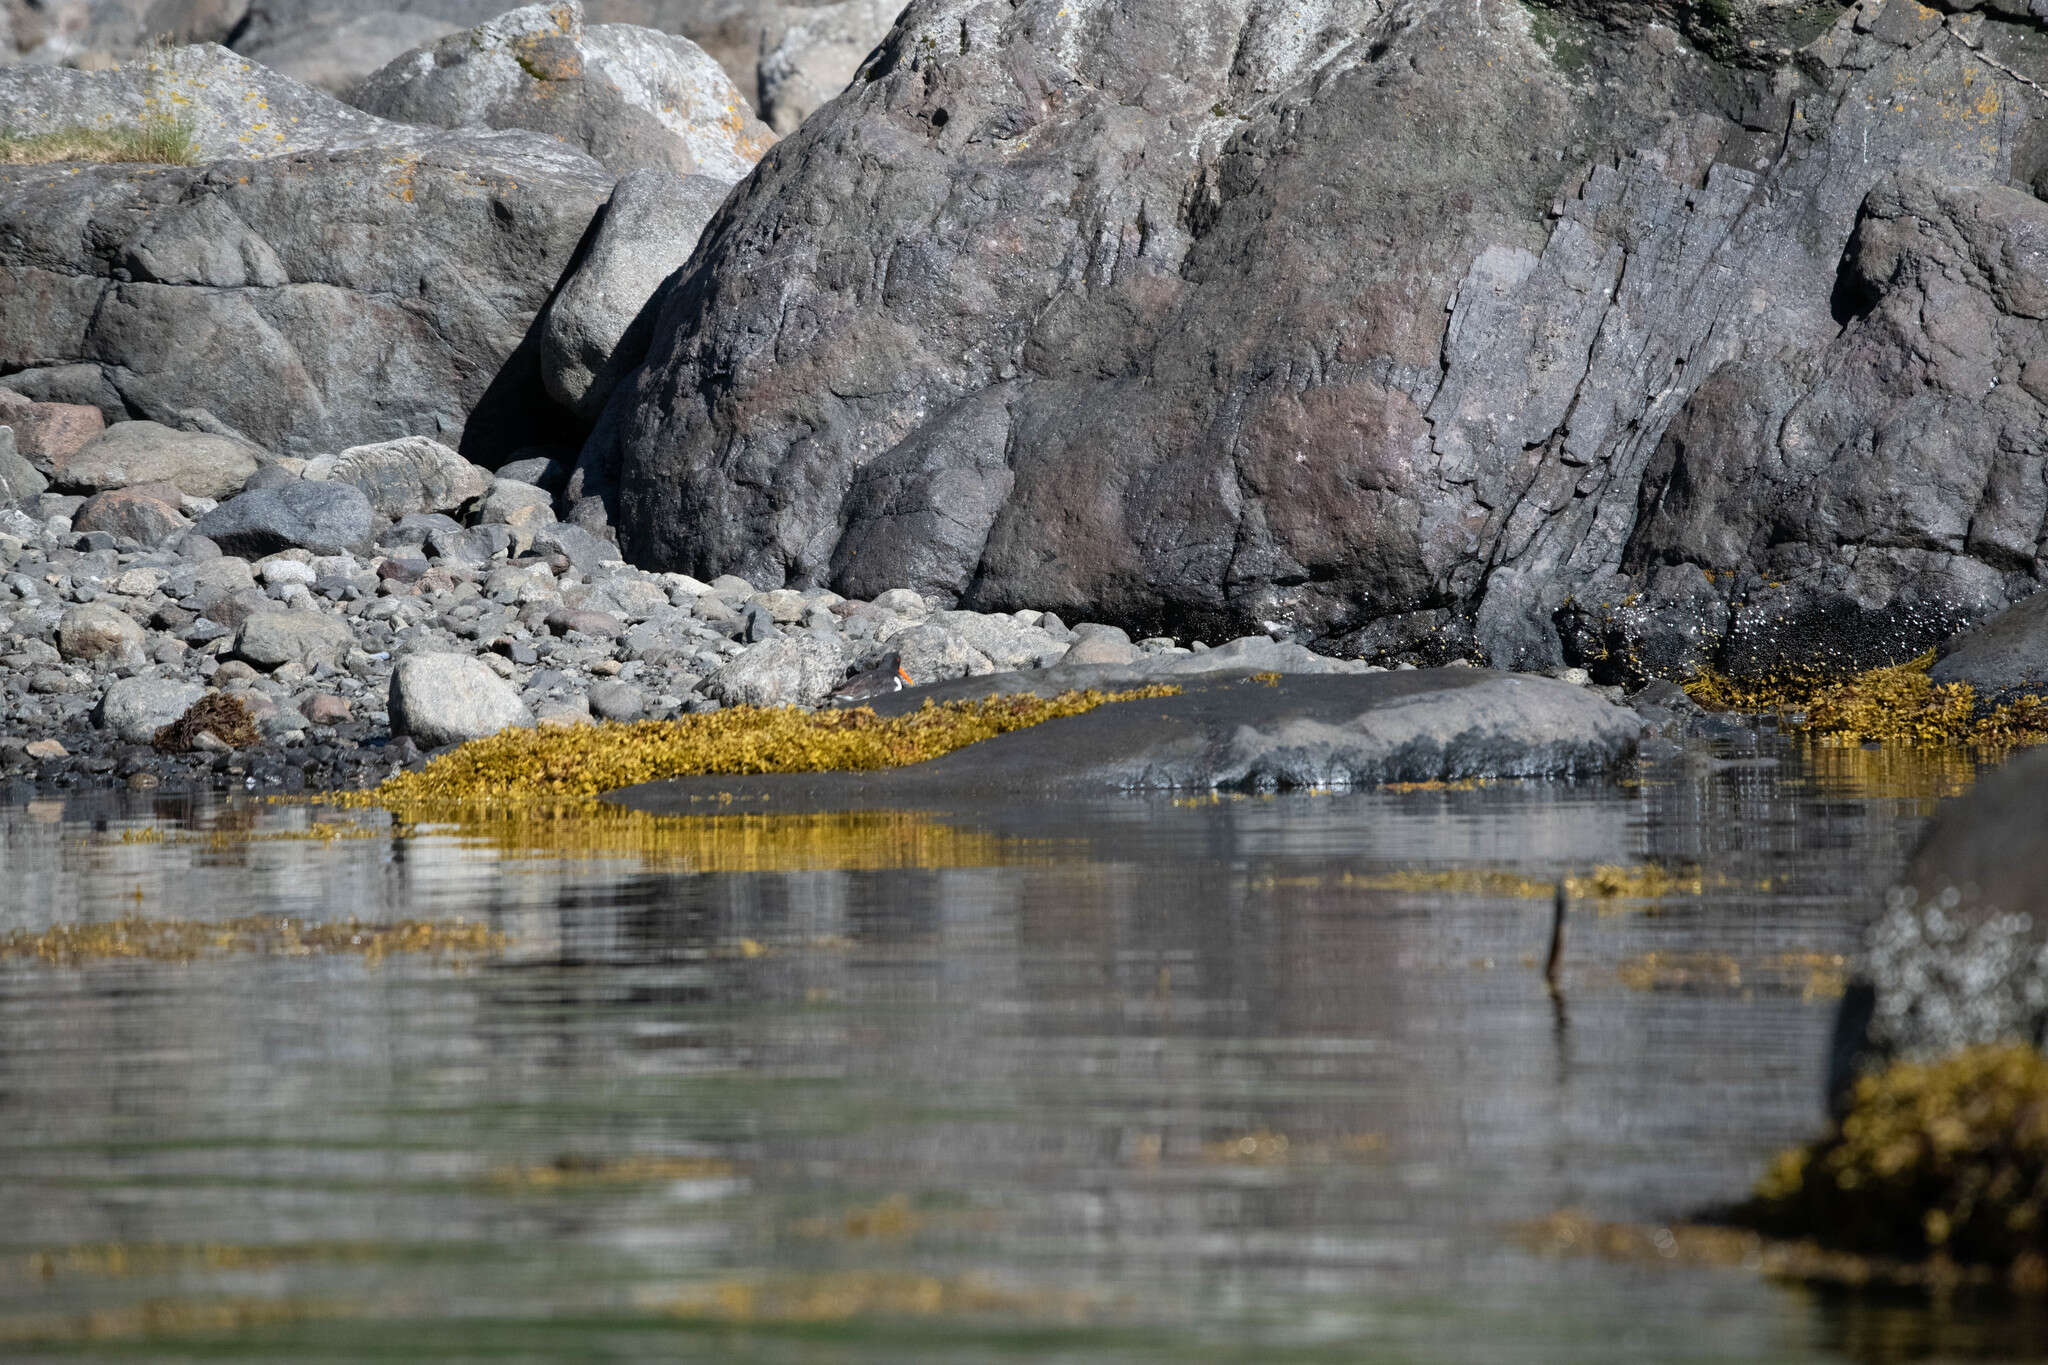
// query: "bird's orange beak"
[[905, 676]]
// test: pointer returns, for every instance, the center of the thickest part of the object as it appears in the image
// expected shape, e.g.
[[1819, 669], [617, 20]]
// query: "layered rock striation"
[[1420, 330]]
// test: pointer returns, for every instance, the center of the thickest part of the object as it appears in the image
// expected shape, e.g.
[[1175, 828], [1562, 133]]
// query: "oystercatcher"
[[885, 677]]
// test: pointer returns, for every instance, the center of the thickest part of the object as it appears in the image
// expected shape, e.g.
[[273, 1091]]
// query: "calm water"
[[1252, 1080]]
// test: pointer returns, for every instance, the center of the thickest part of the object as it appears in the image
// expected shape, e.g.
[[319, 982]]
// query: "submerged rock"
[[1231, 731]]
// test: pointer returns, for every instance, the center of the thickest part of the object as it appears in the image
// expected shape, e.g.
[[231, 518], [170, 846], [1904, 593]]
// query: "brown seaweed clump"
[[1901, 704], [526, 767], [224, 717], [1945, 1159]]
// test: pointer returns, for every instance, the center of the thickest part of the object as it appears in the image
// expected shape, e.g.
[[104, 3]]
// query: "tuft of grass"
[[160, 141], [1933, 1159]]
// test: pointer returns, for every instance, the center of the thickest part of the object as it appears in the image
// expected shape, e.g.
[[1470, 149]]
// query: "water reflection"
[[1247, 1079]]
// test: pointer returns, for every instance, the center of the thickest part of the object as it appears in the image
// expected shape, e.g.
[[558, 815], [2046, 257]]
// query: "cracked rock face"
[[1418, 328], [326, 279]]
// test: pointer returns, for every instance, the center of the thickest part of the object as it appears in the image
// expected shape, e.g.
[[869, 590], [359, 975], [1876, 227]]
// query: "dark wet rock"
[[1231, 731], [128, 453], [412, 474], [441, 699], [146, 513], [2005, 656], [631, 97], [1651, 311], [321, 281], [598, 326], [326, 518], [1959, 954]]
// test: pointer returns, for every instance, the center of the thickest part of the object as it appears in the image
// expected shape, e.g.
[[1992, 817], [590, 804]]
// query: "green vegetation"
[[156, 140]]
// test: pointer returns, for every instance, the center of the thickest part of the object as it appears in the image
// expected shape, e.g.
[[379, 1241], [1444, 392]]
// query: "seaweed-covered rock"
[[1946, 1157], [136, 708], [629, 96]]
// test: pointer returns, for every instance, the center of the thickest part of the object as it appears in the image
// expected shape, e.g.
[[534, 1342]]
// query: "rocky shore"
[[374, 606]]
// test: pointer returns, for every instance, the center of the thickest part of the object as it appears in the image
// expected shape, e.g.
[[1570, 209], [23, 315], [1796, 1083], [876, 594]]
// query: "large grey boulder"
[[1106, 312], [270, 639], [629, 96], [322, 279], [326, 518], [199, 465], [810, 51], [2006, 655], [788, 56], [794, 670], [599, 322], [336, 50], [412, 474], [451, 698], [136, 708], [1959, 954]]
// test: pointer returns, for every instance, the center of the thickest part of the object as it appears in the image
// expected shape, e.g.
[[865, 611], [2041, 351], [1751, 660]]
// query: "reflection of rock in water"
[[1960, 953]]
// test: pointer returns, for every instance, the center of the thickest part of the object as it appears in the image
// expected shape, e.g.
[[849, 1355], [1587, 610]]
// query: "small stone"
[[326, 709], [617, 701], [904, 602], [784, 606], [44, 749], [97, 631], [505, 497], [594, 623], [148, 514]]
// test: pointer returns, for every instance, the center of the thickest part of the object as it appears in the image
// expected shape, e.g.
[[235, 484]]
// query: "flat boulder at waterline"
[[1231, 731]]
